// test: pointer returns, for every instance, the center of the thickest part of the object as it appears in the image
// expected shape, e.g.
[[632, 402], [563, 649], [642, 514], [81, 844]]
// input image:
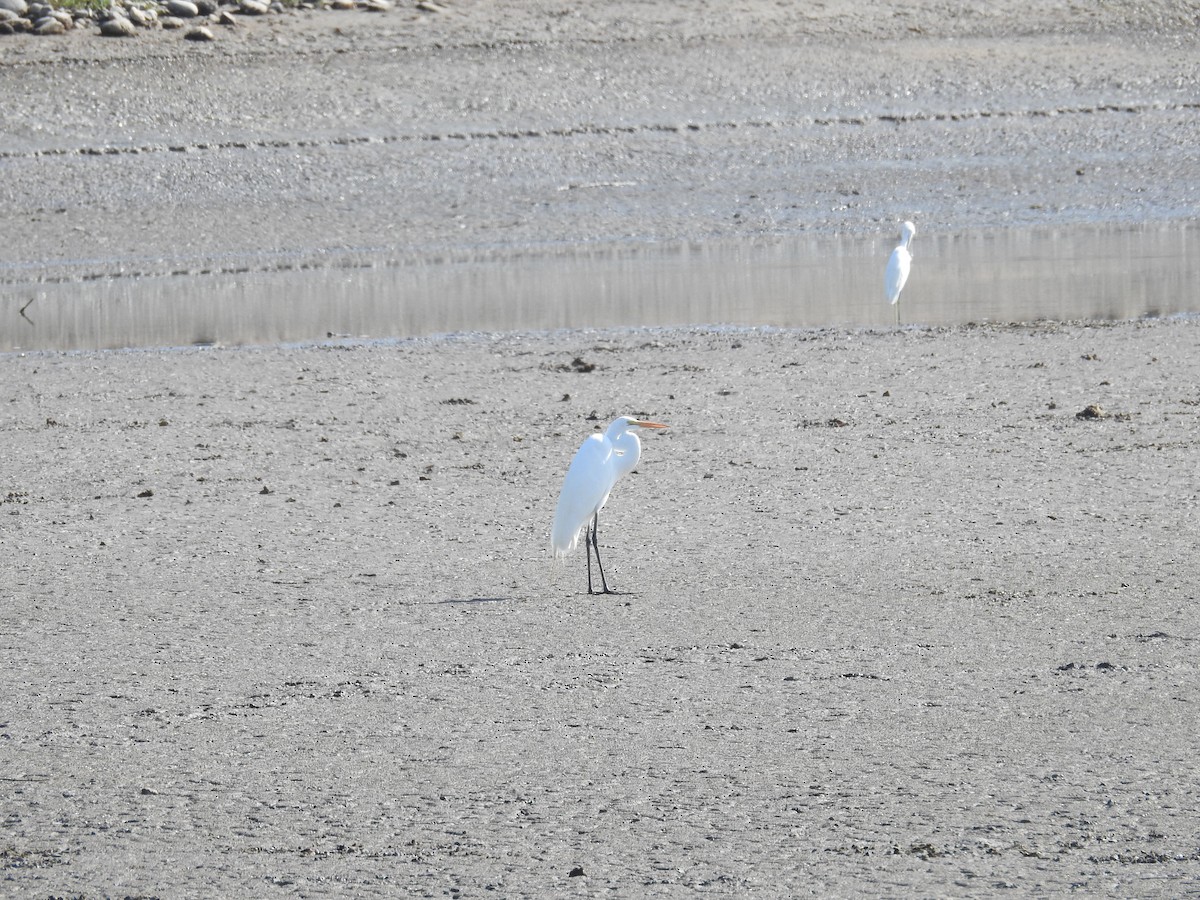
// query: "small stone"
[[146, 493], [171, 22], [253, 8], [343, 4], [65, 17], [20, 7], [200, 34], [184, 9], [206, 7], [117, 26], [7, 15], [1091, 411], [376, 5], [225, 17], [48, 25], [576, 872]]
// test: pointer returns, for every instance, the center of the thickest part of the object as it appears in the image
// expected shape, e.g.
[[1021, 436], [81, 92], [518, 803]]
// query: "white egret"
[[598, 463], [897, 268]]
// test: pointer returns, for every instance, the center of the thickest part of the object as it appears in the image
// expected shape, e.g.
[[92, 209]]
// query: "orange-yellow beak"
[[641, 423]]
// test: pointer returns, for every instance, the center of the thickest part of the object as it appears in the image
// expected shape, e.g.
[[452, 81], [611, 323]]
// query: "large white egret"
[[598, 463], [897, 268]]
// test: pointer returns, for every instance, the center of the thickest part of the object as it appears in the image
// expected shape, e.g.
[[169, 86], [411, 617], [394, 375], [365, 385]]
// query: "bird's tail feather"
[[562, 543]]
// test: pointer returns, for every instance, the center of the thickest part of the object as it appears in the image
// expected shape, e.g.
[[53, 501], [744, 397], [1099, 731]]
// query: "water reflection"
[[1005, 276]]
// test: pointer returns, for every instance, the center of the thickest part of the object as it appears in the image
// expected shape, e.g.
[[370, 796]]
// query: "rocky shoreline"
[[192, 18]]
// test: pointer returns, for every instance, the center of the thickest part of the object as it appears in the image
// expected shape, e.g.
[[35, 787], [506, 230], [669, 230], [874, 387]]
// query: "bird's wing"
[[896, 274], [585, 488]]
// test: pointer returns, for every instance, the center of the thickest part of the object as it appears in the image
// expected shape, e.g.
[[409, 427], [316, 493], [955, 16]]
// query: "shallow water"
[[1066, 273]]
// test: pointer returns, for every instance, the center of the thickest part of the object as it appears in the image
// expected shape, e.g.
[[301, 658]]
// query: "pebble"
[[200, 34], [253, 7], [183, 9], [171, 22], [118, 26], [20, 7]]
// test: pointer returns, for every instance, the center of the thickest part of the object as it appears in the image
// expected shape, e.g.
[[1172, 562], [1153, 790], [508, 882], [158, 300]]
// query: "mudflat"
[[897, 617], [901, 612], [299, 139]]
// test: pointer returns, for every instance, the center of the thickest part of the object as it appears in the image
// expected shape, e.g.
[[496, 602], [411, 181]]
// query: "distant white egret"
[[598, 463], [897, 268]]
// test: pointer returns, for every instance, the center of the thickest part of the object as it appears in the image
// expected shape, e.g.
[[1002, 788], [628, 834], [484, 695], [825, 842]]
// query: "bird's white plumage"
[[898, 265], [597, 465], [589, 480]]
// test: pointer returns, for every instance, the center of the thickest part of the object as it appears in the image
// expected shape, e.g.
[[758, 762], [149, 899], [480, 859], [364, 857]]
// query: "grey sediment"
[[902, 617]]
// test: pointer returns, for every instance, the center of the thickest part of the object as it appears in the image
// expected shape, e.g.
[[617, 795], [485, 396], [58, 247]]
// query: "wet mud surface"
[[899, 618], [563, 123]]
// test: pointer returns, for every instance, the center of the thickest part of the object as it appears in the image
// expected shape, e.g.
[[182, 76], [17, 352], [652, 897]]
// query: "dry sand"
[[898, 622]]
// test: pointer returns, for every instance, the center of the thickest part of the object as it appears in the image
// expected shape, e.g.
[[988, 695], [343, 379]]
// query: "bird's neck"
[[627, 448]]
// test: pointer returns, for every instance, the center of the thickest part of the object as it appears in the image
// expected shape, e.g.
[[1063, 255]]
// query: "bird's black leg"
[[599, 564], [587, 546]]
